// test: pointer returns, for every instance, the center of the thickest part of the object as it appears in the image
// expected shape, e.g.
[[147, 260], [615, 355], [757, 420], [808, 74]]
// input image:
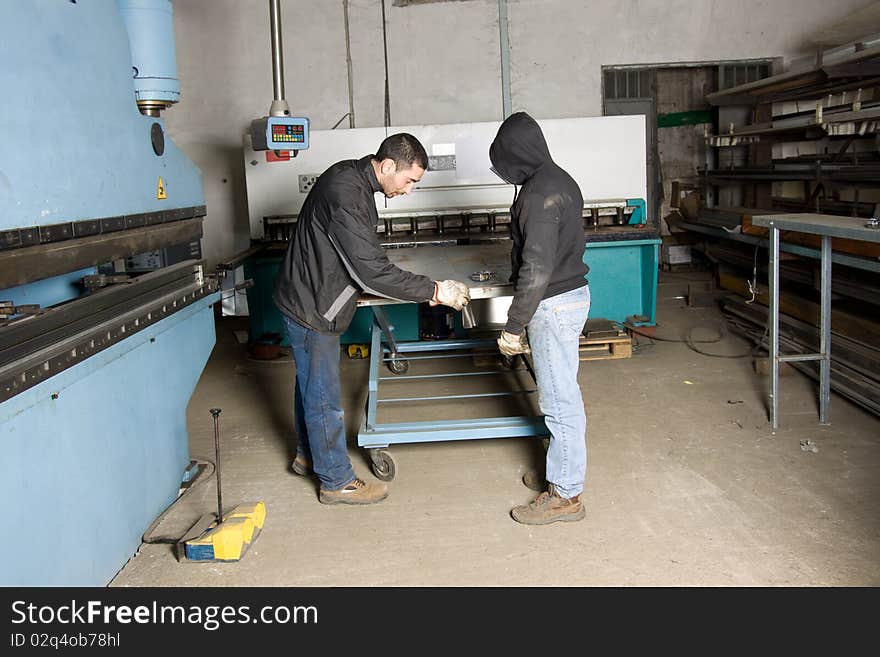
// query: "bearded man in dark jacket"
[[551, 300], [335, 254]]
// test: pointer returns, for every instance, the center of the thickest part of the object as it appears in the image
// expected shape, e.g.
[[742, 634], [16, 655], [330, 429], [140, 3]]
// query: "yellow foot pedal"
[[229, 540], [358, 351]]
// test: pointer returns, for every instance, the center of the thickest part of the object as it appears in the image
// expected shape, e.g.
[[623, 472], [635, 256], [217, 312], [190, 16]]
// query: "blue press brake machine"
[[99, 353]]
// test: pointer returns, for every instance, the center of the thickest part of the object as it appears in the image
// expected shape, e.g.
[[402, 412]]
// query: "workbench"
[[828, 227]]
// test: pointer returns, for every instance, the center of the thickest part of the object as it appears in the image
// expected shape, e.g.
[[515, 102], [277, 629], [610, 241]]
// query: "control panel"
[[280, 133]]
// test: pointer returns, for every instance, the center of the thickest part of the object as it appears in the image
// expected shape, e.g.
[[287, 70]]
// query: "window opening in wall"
[[673, 100]]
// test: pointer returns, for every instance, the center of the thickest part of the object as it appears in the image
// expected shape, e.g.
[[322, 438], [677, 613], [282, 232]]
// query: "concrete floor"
[[686, 486]]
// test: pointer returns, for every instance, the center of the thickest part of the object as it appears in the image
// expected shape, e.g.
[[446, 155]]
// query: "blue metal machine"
[[96, 365]]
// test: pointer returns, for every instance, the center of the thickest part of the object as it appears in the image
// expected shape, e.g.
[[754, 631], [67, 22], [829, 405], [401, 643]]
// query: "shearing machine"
[[106, 318], [455, 224]]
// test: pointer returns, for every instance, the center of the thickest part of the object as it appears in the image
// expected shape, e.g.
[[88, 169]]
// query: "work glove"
[[451, 293], [511, 345]]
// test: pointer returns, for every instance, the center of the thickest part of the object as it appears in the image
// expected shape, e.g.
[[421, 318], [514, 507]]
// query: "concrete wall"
[[443, 66]]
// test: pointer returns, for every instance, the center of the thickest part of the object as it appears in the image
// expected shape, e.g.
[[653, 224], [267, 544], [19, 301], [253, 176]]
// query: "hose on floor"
[[200, 478], [692, 342]]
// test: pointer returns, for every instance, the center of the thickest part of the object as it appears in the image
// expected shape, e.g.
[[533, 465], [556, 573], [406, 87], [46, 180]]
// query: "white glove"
[[511, 345], [451, 293]]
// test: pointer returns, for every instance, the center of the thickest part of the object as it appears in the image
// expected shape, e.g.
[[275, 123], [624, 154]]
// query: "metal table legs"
[[824, 355]]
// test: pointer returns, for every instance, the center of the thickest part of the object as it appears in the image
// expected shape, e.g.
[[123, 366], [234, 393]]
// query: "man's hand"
[[511, 345], [451, 293]]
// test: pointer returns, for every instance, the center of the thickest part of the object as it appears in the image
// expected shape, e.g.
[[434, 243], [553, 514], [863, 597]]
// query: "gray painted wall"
[[444, 66]]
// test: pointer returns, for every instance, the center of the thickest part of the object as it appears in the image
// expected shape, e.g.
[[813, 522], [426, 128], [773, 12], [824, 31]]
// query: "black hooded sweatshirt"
[[546, 219]]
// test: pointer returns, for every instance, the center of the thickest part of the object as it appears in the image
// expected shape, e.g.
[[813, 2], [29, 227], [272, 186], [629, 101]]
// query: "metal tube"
[[481, 395], [385, 50], [467, 317], [774, 326], [348, 66], [442, 376], [277, 49], [825, 333], [387, 330], [799, 358], [505, 57], [373, 393], [215, 412]]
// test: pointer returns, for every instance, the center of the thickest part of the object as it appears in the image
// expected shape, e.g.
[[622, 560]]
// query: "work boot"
[[302, 466], [549, 507], [355, 492], [534, 480]]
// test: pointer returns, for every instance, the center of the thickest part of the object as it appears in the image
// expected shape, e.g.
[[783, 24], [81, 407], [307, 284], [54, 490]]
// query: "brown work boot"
[[302, 466], [534, 480], [549, 507], [355, 492]]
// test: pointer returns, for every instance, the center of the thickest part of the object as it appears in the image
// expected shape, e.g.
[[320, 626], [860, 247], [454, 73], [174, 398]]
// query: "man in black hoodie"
[[334, 254], [552, 299]]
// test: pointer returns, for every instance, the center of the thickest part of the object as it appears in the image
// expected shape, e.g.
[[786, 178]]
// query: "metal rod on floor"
[[215, 412]]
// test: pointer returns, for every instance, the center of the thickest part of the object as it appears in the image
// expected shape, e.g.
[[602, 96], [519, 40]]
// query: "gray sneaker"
[[355, 492]]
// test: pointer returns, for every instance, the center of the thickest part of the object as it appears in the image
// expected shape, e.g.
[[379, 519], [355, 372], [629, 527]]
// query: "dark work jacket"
[[546, 219], [335, 253]]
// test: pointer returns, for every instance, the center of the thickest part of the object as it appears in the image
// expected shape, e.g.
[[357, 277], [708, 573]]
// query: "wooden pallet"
[[602, 348]]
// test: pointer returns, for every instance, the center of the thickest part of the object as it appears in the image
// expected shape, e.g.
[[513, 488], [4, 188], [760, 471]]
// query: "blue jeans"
[[317, 412], [554, 332]]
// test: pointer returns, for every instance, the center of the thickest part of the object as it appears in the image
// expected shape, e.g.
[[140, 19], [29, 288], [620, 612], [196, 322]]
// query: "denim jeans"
[[554, 332], [317, 412]]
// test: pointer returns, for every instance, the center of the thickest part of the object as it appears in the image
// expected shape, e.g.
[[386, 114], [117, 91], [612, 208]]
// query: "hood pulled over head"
[[519, 148]]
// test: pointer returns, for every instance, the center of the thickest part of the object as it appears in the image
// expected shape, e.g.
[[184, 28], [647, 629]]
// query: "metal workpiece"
[[482, 276], [457, 263]]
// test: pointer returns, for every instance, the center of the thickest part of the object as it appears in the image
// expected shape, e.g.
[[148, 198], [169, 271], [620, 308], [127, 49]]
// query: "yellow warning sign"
[[160, 189]]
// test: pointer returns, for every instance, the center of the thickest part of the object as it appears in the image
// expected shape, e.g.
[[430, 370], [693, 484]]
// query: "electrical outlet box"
[[307, 181]]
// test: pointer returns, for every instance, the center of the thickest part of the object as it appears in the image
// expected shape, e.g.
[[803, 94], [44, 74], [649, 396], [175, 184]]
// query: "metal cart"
[[486, 268]]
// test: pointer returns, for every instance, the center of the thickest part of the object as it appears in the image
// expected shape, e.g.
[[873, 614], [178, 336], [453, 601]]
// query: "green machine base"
[[623, 279]]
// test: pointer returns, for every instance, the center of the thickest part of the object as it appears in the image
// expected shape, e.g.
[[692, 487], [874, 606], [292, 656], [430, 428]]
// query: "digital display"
[[288, 133], [280, 133]]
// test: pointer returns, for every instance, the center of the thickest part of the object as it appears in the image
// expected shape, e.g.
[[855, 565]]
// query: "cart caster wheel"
[[398, 365], [383, 464]]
